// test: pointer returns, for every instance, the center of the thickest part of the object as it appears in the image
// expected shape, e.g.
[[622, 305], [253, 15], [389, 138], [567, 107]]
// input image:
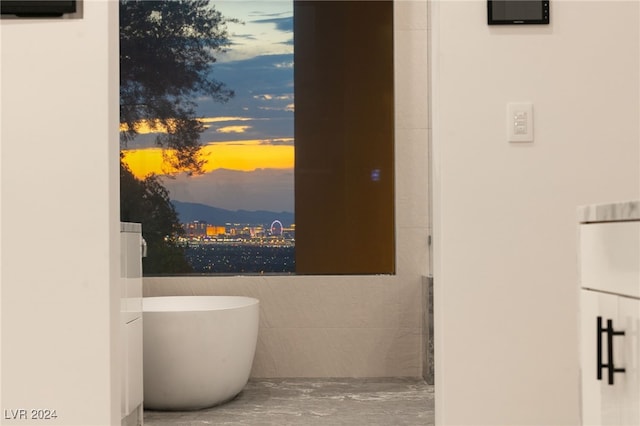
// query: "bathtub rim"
[[160, 304]]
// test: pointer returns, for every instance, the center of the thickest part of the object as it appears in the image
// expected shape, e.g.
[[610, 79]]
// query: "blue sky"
[[259, 68]]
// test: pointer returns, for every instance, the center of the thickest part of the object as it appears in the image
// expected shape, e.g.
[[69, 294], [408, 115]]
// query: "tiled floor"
[[370, 402]]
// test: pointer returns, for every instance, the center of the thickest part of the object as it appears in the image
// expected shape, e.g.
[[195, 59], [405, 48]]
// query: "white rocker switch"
[[520, 122]]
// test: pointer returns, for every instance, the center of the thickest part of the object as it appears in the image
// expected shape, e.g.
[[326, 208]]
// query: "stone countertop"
[[612, 212], [130, 227]]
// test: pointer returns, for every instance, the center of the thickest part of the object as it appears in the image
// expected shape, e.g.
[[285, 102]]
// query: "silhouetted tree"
[[167, 49], [147, 201], [167, 52]]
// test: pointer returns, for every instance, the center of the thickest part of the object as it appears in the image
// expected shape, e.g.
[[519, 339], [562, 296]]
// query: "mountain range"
[[189, 212]]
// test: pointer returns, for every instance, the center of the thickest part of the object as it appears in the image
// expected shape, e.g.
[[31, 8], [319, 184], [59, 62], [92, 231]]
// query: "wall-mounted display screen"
[[517, 12], [37, 7]]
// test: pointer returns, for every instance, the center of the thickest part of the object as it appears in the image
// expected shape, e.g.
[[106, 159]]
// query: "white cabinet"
[[610, 396], [610, 257], [610, 322], [132, 247]]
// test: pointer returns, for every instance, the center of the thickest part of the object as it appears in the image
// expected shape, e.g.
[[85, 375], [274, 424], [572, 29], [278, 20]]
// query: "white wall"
[[505, 214], [60, 227], [359, 326]]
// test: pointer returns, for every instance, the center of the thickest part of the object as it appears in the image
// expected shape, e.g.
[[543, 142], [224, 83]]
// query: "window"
[[228, 206]]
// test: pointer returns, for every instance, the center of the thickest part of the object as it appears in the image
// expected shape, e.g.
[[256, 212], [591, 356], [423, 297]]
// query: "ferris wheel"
[[276, 227]]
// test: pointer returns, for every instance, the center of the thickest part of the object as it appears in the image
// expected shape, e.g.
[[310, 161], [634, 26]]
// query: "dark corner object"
[[37, 8], [517, 12]]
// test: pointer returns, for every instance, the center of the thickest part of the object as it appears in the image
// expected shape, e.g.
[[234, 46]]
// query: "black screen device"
[[36, 8], [517, 12]]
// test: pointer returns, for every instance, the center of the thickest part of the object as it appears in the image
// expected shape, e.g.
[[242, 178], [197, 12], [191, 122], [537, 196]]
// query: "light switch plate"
[[520, 122]]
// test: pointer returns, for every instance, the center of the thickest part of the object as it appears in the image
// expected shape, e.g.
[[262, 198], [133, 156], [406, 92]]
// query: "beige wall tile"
[[330, 304], [410, 303], [338, 352], [412, 106], [410, 14], [412, 256], [412, 177]]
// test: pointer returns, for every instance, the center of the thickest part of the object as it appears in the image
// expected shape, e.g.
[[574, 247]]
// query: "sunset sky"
[[248, 141]]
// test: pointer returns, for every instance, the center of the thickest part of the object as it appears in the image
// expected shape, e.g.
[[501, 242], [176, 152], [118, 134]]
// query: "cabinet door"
[[603, 403], [134, 365], [629, 320], [600, 402]]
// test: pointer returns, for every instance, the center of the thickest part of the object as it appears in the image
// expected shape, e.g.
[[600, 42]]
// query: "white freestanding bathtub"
[[198, 350]]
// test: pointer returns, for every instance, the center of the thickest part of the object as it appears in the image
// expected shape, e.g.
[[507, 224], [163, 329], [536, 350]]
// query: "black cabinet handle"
[[599, 363], [610, 333], [611, 369]]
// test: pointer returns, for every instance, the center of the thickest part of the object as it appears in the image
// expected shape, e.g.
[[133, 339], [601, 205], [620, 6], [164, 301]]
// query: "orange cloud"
[[219, 119], [233, 129], [247, 155], [144, 127]]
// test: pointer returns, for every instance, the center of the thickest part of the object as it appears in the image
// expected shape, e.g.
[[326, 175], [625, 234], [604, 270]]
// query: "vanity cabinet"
[[610, 393], [610, 318], [132, 248]]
